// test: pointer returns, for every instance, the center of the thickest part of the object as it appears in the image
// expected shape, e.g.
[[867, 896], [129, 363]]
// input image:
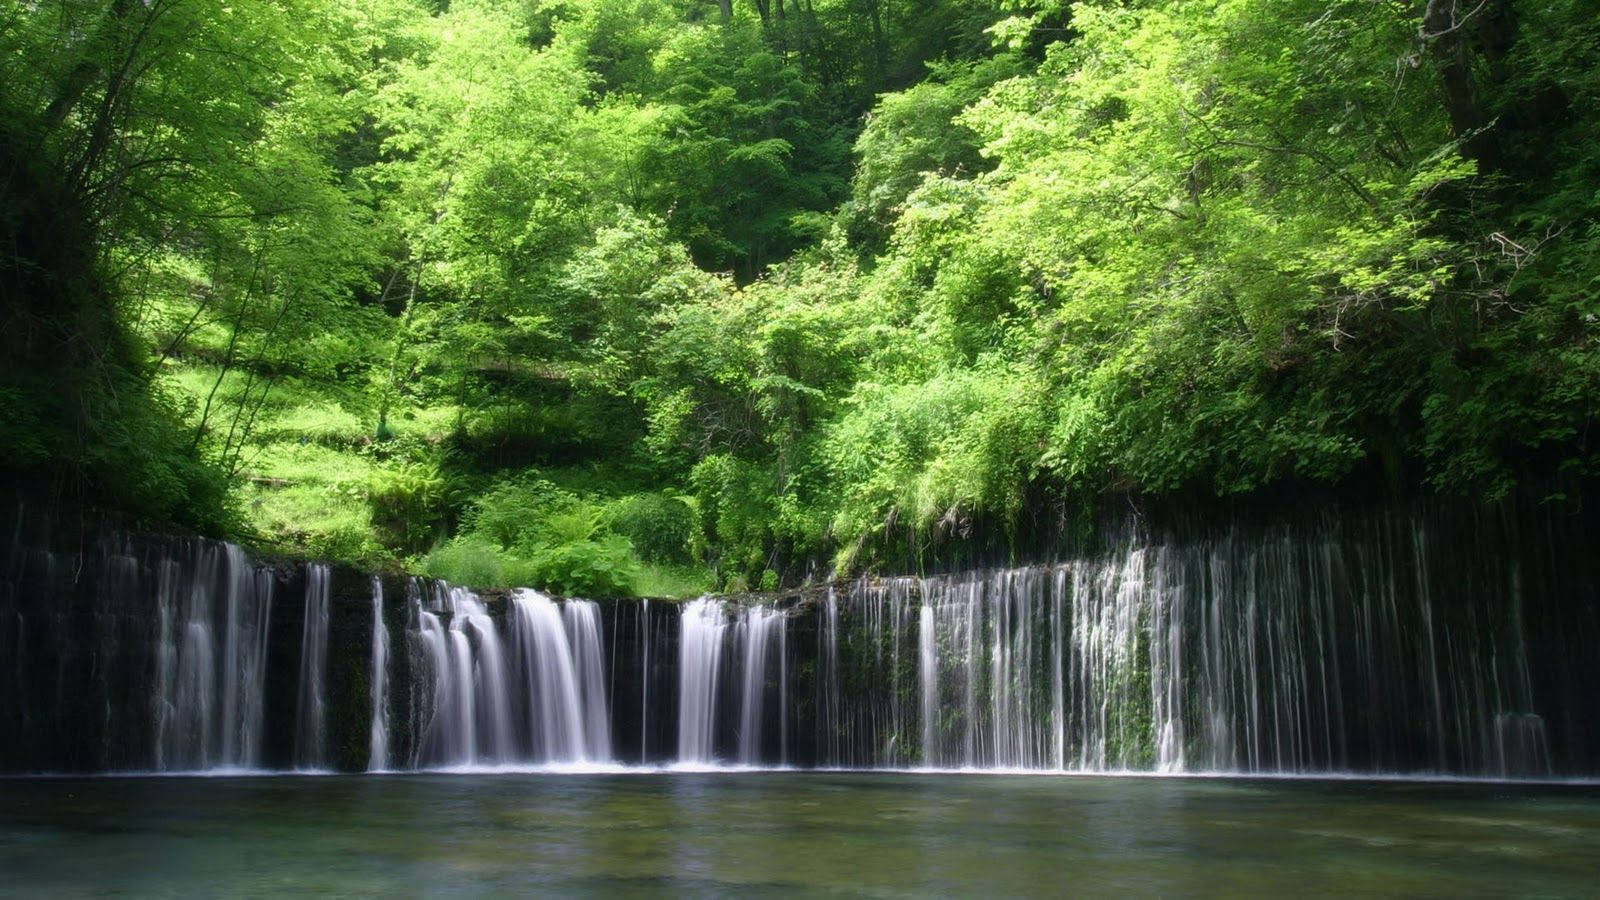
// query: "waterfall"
[[378, 752], [783, 691], [463, 698], [1522, 748], [310, 708], [247, 596], [1397, 641], [536, 695], [754, 640], [828, 688], [928, 678], [1272, 654], [482, 680], [468, 719], [208, 706], [865, 641], [549, 680], [757, 626], [188, 675], [438, 737], [644, 641], [699, 663], [584, 635]]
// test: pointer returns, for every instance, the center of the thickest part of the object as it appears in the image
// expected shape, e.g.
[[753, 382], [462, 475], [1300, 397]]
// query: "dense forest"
[[661, 296]]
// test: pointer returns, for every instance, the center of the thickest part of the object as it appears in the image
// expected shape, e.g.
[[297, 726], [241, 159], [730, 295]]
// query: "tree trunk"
[[78, 79], [880, 52], [1454, 41]]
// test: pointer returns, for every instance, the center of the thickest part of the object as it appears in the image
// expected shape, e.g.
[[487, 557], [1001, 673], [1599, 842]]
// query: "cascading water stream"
[[645, 640], [378, 743], [208, 706], [468, 717], [829, 701], [311, 703], [757, 628], [248, 594], [783, 690], [549, 679], [188, 678], [699, 667], [1220, 656], [482, 680], [928, 678], [585, 637], [435, 699], [537, 695], [1395, 643]]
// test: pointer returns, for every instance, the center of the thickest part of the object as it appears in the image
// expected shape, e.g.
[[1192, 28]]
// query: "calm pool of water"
[[783, 834]]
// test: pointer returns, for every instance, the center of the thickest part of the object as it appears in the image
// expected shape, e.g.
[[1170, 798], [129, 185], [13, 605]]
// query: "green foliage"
[[475, 562], [609, 296], [529, 531], [734, 183], [407, 501], [526, 511], [937, 450], [138, 171], [586, 568], [671, 582], [582, 568], [661, 528], [913, 134]]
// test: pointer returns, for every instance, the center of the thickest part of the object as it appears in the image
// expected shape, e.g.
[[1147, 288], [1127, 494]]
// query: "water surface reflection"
[[787, 833]]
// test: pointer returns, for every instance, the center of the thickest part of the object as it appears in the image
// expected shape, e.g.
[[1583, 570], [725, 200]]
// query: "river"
[[654, 832]]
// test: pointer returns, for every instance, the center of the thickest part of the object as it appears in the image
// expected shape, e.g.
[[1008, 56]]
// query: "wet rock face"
[[1409, 638]]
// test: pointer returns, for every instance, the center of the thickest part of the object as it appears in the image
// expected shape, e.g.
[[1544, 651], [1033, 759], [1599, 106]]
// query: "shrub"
[[661, 528], [406, 503], [348, 542], [658, 580], [518, 512], [593, 568], [585, 568], [467, 561]]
